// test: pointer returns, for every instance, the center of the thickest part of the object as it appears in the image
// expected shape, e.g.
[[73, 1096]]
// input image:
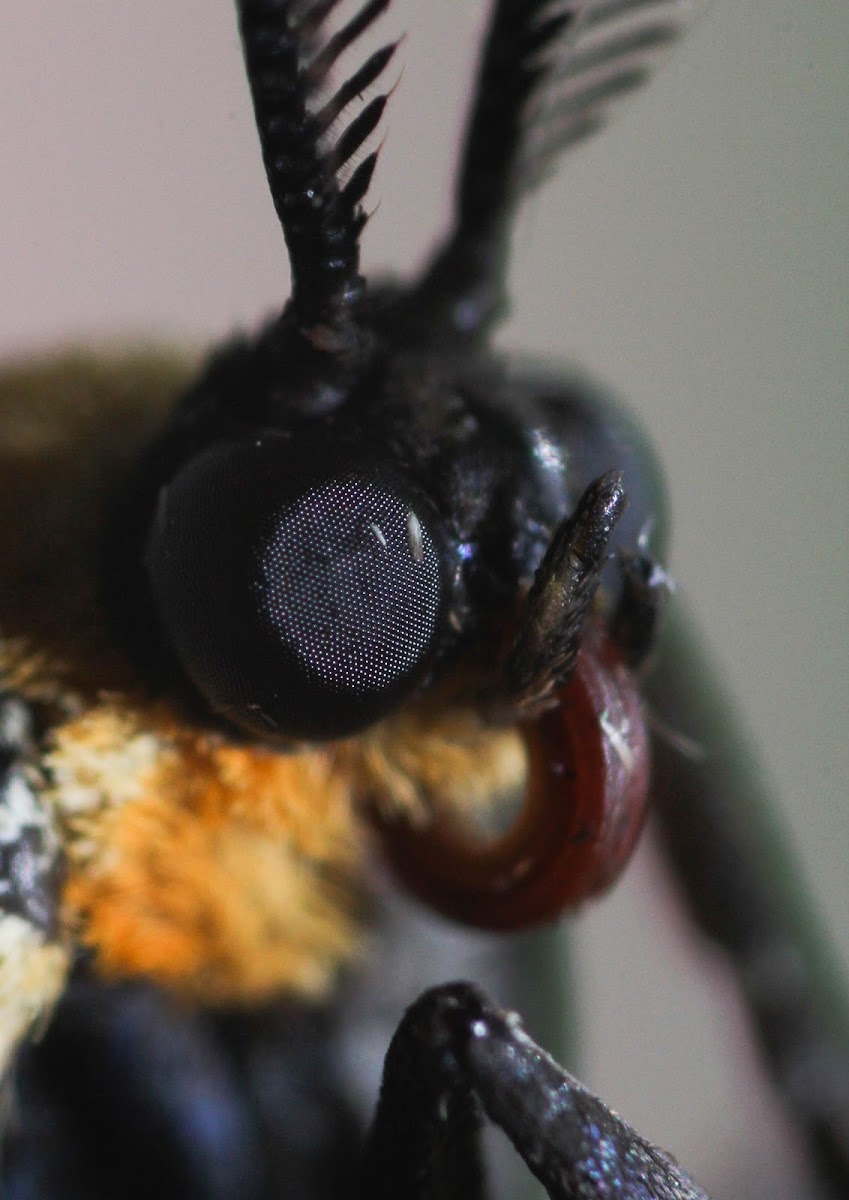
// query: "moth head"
[[303, 594]]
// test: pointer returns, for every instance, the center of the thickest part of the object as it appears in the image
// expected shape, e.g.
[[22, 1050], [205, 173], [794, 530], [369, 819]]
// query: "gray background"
[[695, 256]]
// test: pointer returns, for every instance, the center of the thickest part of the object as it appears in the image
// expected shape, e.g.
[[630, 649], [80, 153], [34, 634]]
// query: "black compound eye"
[[350, 580], [302, 599]]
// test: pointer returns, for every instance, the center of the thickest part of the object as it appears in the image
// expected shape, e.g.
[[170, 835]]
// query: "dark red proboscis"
[[588, 782]]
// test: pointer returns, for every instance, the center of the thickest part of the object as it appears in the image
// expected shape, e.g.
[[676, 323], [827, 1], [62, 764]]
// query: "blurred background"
[[695, 256]]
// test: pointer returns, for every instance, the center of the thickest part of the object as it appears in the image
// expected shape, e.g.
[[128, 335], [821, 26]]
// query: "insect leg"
[[744, 891], [543, 655], [456, 1056]]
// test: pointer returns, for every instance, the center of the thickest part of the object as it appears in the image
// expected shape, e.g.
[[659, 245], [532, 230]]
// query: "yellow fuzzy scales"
[[230, 873], [226, 873]]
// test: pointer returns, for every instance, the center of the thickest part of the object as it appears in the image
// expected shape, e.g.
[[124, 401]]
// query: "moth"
[[364, 574]]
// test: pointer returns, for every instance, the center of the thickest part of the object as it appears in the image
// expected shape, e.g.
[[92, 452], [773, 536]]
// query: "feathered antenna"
[[549, 74], [289, 55]]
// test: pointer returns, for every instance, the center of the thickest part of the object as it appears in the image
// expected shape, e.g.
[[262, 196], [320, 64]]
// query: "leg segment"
[[744, 891], [455, 1056]]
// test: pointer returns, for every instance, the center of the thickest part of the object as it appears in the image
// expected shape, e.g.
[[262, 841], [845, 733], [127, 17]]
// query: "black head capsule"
[[304, 597]]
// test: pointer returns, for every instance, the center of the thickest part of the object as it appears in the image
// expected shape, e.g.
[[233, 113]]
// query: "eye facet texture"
[[303, 597]]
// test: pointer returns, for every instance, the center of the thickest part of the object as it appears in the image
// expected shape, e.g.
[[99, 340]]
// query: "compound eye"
[[302, 599]]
